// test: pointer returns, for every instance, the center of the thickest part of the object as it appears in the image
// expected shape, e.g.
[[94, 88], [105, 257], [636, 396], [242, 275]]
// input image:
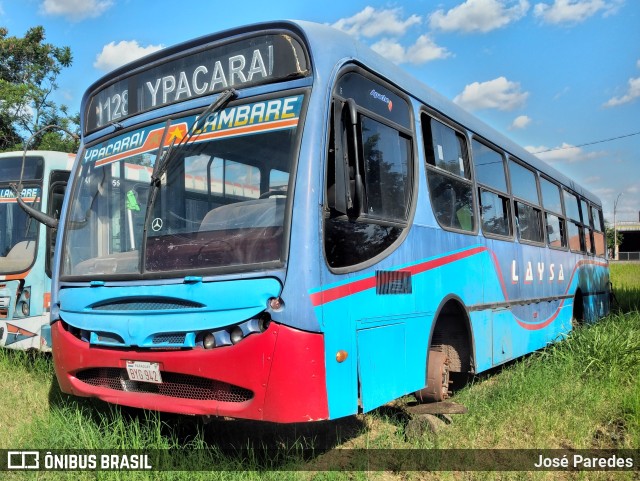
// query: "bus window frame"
[[598, 230], [506, 195], [560, 215], [429, 113], [26, 184], [520, 200], [576, 222], [412, 171]]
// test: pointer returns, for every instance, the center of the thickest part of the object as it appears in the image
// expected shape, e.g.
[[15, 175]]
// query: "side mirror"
[[35, 213], [347, 162]]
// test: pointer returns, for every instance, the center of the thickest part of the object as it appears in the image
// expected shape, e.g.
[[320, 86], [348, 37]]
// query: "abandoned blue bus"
[[276, 223], [26, 248]]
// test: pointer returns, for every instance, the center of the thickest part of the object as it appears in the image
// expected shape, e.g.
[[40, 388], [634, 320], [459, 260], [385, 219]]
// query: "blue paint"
[[386, 337], [221, 307]]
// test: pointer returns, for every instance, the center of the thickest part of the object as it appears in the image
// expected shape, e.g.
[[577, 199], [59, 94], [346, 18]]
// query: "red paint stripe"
[[535, 327], [15, 277], [249, 129], [541, 325], [503, 286], [345, 290], [13, 200], [148, 146], [578, 265]]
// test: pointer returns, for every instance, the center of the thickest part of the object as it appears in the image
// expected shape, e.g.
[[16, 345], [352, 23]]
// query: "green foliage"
[[611, 238], [29, 68]]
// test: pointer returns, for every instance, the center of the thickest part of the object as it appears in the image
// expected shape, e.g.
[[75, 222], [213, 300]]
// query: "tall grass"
[[625, 278], [583, 392]]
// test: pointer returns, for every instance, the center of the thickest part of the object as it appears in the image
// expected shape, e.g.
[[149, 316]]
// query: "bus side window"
[[576, 231], [495, 205], [598, 234], [524, 187], [556, 224], [369, 174], [587, 221], [448, 175]]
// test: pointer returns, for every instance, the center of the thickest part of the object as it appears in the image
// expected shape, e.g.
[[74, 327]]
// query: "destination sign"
[[248, 62], [248, 119], [11, 168], [28, 194]]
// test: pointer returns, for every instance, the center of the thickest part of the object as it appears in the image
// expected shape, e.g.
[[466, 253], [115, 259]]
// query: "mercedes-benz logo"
[[156, 225]]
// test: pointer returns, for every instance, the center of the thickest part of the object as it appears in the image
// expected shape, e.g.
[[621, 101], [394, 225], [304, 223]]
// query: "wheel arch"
[[457, 331]]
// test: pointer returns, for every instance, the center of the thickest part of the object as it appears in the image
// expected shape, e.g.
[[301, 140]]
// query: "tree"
[[29, 68], [611, 239]]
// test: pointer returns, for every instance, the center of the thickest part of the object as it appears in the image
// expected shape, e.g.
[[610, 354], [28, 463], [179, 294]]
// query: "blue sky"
[[548, 73]]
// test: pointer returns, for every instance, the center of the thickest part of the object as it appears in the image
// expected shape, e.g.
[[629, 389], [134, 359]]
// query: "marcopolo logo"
[[383, 98]]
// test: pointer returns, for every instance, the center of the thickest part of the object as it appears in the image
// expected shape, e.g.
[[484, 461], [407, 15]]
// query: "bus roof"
[[329, 47], [327, 44]]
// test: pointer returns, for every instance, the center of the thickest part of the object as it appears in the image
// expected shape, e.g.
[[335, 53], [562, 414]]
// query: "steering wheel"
[[271, 193]]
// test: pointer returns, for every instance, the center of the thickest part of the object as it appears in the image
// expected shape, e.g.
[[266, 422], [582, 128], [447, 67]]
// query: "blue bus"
[[276, 223], [26, 249]]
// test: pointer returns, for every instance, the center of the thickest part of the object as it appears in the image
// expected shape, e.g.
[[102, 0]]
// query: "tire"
[[437, 389]]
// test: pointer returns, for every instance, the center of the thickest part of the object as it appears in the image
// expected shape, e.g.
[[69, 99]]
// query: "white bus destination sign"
[[248, 62]]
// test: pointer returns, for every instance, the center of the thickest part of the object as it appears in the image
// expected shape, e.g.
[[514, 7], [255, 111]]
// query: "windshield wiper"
[[163, 164], [170, 154]]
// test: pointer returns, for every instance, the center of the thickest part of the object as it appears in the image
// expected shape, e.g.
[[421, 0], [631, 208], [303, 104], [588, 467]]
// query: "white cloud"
[[114, 55], [574, 11], [520, 122], [594, 179], [561, 93], [499, 93], [479, 15], [423, 51], [633, 92], [76, 9], [371, 22], [566, 153]]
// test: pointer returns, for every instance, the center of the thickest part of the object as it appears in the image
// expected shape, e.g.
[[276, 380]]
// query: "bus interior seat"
[[21, 250], [19, 257], [267, 212]]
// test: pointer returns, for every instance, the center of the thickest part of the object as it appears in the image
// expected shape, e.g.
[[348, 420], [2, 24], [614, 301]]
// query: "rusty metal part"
[[437, 389]]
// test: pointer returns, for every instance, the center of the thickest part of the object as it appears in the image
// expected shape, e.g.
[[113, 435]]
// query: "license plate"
[[144, 371]]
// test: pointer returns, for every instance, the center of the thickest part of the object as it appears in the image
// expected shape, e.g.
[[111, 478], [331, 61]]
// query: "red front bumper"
[[277, 375]]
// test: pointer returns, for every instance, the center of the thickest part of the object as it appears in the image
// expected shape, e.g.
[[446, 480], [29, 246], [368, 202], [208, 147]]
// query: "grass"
[[625, 278], [581, 393]]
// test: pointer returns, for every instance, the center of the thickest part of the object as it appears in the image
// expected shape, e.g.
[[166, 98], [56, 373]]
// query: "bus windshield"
[[220, 202], [18, 233]]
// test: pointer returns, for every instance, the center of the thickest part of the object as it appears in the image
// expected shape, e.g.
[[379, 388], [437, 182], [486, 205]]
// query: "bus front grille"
[[173, 384], [146, 304]]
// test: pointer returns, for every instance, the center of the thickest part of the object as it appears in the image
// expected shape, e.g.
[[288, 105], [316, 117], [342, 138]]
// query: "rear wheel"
[[438, 381]]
